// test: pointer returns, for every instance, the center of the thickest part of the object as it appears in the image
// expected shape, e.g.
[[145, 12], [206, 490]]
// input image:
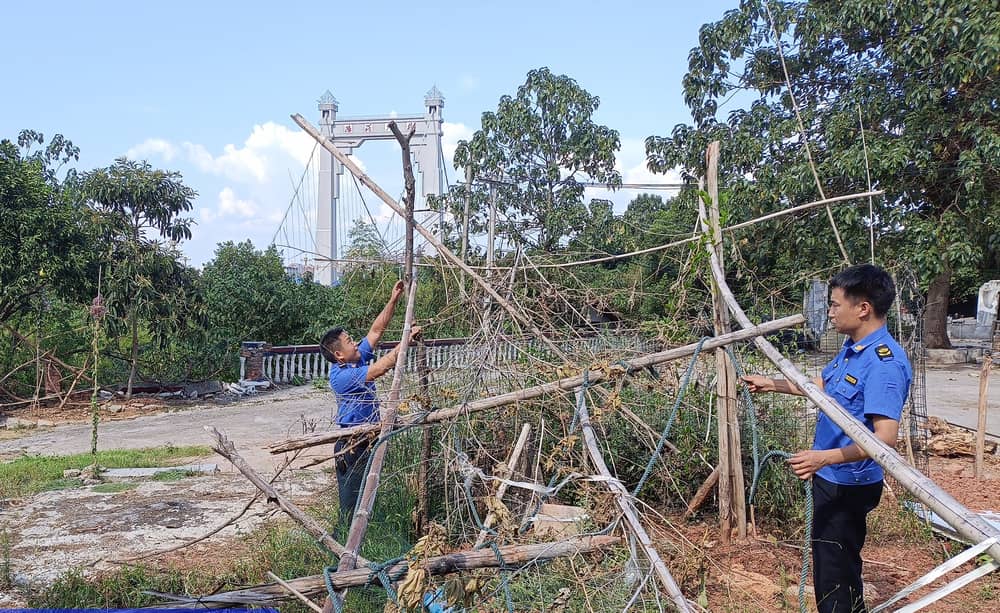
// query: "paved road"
[[250, 424], [952, 393]]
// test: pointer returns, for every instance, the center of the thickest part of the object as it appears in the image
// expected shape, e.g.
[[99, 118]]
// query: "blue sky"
[[206, 88]]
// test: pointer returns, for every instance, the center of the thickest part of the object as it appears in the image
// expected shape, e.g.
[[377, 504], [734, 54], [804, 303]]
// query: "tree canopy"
[[537, 151], [907, 91]]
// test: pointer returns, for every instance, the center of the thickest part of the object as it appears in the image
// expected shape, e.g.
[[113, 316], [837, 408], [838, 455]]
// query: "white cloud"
[[453, 132], [631, 163], [152, 146], [468, 82], [229, 206], [266, 149]]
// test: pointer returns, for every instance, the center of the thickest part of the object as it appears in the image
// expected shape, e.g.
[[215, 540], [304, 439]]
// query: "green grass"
[[32, 474]]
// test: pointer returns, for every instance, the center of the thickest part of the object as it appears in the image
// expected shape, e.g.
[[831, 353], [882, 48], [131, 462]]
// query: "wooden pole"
[[359, 524], [423, 504], [732, 494], [624, 500], [427, 234], [515, 455], [315, 585], [529, 393], [224, 447], [465, 224], [969, 525], [984, 387]]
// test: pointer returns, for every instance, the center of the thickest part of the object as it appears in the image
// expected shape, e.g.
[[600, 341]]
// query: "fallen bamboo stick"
[[515, 455], [294, 592], [224, 447], [965, 522], [702, 494], [624, 500], [315, 585], [427, 234], [567, 384]]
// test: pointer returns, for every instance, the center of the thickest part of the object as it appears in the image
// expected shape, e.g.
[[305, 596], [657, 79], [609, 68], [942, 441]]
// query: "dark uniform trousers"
[[838, 534], [350, 477]]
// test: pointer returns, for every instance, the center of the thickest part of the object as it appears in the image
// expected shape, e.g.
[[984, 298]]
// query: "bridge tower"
[[347, 134]]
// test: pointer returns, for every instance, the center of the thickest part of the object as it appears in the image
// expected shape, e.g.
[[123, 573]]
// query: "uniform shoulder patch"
[[883, 352]]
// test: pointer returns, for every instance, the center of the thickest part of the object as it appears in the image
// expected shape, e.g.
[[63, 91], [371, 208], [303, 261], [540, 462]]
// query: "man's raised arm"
[[382, 321]]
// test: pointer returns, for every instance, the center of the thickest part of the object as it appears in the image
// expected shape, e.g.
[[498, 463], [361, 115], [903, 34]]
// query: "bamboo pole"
[[359, 523], [984, 386], [515, 455], [529, 393], [624, 500], [315, 585], [732, 508], [294, 592], [224, 447], [427, 234], [966, 523]]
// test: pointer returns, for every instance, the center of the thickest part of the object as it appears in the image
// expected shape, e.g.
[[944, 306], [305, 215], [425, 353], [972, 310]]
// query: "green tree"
[[921, 76], [137, 201], [46, 235], [537, 150]]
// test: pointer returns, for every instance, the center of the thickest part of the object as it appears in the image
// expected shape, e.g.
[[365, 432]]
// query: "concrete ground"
[[953, 395]]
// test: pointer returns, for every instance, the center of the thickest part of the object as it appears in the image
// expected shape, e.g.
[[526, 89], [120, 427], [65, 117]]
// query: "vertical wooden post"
[[423, 505], [732, 499], [984, 387], [465, 226]]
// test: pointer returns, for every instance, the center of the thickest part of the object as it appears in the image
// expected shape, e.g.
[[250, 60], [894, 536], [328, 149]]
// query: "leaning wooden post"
[[732, 501], [224, 447], [427, 234], [969, 525], [506, 472], [359, 525], [624, 500], [984, 387]]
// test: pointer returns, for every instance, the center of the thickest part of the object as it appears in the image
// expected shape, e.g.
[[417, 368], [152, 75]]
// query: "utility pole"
[[465, 222]]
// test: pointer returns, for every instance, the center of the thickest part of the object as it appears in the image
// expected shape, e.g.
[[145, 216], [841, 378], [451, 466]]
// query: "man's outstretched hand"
[[397, 290]]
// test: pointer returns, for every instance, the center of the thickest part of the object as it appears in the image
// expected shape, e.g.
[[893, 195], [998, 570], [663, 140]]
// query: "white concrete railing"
[[282, 364]]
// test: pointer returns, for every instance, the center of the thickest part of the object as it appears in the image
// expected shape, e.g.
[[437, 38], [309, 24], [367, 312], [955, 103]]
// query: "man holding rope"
[[870, 378], [352, 380]]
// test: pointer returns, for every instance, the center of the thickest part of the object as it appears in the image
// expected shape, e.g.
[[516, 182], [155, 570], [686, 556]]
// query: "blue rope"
[[758, 468], [681, 388], [504, 577], [338, 606]]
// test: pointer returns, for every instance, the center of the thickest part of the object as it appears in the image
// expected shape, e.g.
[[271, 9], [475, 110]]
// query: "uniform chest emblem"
[[851, 379]]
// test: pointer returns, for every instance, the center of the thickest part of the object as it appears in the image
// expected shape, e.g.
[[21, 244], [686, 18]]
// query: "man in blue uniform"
[[870, 378], [352, 380]]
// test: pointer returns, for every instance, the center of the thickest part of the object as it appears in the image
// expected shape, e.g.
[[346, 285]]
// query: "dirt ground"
[[55, 531]]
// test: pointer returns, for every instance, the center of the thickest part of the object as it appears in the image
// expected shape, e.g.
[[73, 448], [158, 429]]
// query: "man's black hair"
[[329, 340], [869, 283]]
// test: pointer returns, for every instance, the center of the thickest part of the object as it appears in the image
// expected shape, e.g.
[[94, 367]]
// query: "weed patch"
[[32, 474]]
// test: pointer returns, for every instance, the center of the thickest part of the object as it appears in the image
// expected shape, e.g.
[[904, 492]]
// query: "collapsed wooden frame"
[[965, 522]]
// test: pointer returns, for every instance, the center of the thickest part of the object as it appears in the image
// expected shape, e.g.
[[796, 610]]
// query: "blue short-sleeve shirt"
[[356, 400], [868, 378]]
